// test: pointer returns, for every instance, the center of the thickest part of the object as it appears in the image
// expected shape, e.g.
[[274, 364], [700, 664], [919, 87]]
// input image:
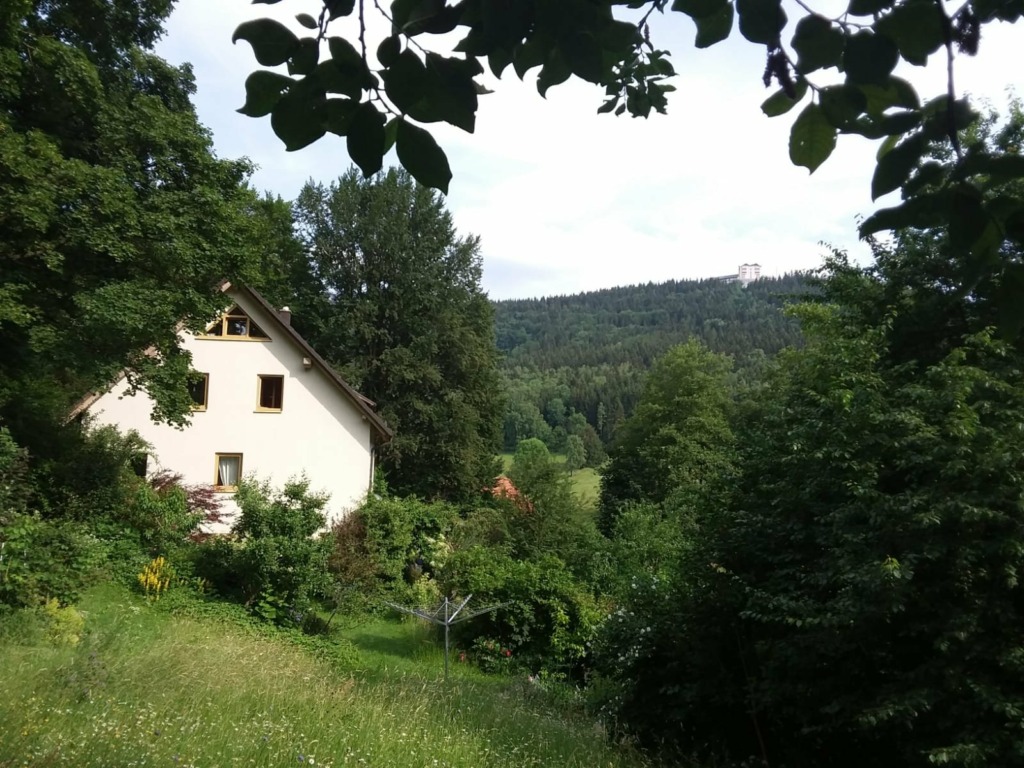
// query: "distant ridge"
[[637, 323], [587, 353]]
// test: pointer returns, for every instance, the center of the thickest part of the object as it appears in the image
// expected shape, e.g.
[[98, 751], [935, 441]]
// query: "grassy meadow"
[[147, 686], [586, 482]]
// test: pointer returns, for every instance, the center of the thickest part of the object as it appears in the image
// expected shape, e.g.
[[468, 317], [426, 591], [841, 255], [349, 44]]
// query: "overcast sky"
[[566, 200]]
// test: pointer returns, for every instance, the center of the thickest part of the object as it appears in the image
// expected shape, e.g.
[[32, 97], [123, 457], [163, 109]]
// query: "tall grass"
[[148, 688]]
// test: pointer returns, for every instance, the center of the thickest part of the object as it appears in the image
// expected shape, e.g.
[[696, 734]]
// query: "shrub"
[[274, 563], [63, 625], [15, 487], [42, 559], [549, 616], [388, 544]]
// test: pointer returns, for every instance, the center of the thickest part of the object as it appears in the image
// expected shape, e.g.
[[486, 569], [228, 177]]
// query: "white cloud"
[[565, 200]]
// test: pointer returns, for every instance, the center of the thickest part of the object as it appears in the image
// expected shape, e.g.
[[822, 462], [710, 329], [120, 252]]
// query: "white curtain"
[[228, 470]]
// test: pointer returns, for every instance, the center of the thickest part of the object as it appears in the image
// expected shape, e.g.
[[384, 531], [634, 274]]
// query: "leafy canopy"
[[839, 68]]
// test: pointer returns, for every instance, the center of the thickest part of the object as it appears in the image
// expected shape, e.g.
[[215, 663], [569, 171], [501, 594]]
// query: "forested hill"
[[574, 365], [638, 323]]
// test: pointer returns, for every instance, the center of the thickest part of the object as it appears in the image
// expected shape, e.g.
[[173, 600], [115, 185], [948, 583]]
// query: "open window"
[[199, 390], [228, 472], [270, 393], [235, 324]]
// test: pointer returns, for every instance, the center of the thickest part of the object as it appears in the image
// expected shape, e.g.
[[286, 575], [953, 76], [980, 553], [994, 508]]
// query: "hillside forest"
[[809, 542]]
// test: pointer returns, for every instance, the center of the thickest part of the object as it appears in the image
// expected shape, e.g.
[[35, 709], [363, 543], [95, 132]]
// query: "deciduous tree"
[[405, 318], [117, 219]]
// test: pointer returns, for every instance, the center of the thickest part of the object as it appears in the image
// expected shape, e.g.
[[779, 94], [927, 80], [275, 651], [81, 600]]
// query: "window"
[[235, 324], [199, 389], [229, 470], [270, 394]]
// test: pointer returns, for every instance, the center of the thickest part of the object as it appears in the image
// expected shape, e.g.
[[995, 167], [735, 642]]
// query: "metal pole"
[[446, 627]]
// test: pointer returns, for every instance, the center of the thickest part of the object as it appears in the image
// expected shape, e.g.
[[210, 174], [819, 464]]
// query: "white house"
[[267, 405]]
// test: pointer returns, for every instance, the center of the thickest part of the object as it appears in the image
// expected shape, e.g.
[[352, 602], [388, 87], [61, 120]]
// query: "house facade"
[[265, 405]]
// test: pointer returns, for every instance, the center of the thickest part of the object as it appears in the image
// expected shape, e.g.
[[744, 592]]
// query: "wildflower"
[[507, 653]]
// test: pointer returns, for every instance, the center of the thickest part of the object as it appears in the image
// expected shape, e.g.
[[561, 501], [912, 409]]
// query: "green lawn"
[[586, 482], [146, 687]]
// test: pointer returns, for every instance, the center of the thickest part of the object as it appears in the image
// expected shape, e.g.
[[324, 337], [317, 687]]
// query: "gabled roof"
[[363, 404]]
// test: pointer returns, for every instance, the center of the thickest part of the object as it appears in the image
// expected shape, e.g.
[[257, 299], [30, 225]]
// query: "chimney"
[[285, 314]]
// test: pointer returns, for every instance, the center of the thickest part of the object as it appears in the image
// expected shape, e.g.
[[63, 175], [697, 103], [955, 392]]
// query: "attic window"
[[236, 324]]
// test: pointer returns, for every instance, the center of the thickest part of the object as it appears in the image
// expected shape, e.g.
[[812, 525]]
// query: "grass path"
[[149, 688]]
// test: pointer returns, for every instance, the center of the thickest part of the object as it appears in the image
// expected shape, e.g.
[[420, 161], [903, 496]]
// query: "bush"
[[43, 559], [549, 617], [274, 562], [389, 544]]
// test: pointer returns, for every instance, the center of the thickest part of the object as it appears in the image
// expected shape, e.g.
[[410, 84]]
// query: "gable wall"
[[318, 431]]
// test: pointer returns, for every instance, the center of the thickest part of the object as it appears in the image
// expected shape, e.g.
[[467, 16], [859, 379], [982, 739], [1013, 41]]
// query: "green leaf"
[[334, 79], [779, 102], [422, 157], [842, 104], [967, 217], [869, 59], [272, 42], [1000, 169], [895, 124], [527, 56], [917, 29], [262, 91], [868, 7], [812, 138], [895, 93], [338, 8], [761, 21], [554, 72], [894, 166], [305, 57], [922, 211], [391, 133], [307, 21], [405, 82], [584, 56], [498, 60], [714, 28], [339, 115], [388, 50], [344, 53], [452, 90], [929, 174], [698, 9], [365, 138], [299, 118], [818, 43]]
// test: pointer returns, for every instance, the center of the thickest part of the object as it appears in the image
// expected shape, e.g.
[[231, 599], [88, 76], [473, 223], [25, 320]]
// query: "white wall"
[[318, 431]]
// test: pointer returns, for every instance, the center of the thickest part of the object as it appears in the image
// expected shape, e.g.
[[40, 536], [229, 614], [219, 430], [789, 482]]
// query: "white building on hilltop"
[[749, 273], [267, 405]]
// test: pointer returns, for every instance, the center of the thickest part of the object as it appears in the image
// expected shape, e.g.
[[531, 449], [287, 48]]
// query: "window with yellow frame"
[[269, 393], [236, 325], [227, 472], [199, 390]]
